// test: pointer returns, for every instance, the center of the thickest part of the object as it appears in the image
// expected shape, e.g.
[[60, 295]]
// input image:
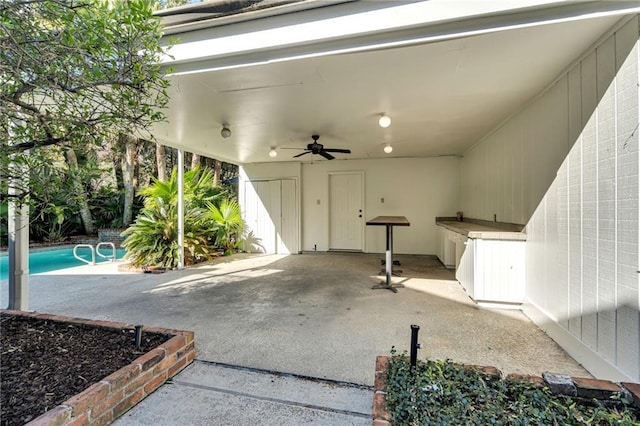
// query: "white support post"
[[180, 209], [18, 227]]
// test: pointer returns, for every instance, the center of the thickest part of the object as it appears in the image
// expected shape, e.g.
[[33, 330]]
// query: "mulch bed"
[[44, 362]]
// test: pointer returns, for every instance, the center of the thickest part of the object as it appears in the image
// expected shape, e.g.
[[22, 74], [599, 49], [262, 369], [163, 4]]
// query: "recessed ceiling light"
[[388, 148]]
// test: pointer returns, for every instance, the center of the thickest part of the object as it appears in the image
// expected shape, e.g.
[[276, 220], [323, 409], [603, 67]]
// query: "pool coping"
[[40, 250], [115, 394]]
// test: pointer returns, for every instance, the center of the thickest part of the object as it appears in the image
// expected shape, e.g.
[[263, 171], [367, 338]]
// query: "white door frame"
[[328, 206]]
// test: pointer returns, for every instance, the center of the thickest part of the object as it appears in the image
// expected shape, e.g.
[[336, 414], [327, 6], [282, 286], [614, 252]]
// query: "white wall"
[[568, 166], [420, 189]]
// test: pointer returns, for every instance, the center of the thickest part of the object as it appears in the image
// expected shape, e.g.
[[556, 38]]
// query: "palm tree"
[[199, 188], [229, 222], [153, 238]]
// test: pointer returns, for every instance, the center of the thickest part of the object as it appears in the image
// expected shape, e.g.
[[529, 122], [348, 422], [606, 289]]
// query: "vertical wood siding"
[[582, 203]]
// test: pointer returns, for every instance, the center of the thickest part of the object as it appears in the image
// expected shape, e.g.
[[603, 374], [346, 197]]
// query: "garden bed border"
[[557, 383], [105, 401]]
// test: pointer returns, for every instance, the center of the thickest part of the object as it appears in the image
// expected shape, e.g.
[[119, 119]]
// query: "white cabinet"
[[446, 247], [465, 272], [458, 241], [493, 270], [440, 243]]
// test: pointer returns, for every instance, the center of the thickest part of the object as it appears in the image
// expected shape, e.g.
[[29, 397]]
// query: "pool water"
[[54, 259]]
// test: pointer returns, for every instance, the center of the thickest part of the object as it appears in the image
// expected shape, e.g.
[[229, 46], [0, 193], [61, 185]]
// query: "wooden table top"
[[389, 220]]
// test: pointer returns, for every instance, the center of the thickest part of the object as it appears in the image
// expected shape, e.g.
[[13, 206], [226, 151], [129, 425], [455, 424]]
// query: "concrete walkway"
[[312, 314], [212, 394]]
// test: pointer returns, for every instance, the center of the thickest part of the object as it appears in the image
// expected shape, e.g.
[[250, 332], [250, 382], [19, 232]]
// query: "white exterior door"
[[346, 215]]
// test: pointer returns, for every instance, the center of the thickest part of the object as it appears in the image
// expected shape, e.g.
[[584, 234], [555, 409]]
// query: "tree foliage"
[[57, 201], [153, 239], [75, 72]]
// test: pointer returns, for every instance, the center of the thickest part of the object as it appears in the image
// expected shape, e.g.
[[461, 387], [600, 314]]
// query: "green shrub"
[[441, 393], [53, 211]]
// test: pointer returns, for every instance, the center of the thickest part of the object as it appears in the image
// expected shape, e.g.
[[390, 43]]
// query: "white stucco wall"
[[419, 188], [568, 167]]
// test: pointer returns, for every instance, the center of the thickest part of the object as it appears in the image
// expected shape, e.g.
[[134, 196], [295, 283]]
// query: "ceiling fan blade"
[[344, 151], [286, 147], [326, 155], [301, 154]]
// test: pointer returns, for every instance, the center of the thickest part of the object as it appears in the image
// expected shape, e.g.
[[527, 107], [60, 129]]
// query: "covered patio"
[[522, 112], [310, 314]]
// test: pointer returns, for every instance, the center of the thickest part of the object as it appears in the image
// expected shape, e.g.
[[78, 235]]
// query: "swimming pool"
[[45, 260]]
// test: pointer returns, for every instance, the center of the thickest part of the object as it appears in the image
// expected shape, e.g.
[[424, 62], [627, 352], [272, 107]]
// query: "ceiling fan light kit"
[[225, 132], [384, 121]]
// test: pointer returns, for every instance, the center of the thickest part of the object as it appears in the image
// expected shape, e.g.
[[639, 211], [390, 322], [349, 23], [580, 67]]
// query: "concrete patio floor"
[[310, 314]]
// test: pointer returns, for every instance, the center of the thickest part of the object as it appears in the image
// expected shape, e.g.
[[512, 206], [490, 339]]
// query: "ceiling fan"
[[318, 148]]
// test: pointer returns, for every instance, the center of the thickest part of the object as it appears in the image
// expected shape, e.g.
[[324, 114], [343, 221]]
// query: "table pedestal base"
[[394, 272], [389, 222], [384, 286]]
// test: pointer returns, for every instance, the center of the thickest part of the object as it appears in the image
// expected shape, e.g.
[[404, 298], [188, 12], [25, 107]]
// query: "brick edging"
[[105, 401], [558, 383], [380, 415]]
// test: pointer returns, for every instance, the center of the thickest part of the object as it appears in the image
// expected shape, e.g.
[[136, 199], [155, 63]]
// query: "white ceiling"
[[442, 96]]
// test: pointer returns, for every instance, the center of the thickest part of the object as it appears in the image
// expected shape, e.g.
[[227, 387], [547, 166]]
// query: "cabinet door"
[[449, 249], [460, 246], [465, 273], [500, 269], [271, 216], [288, 235], [440, 243]]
